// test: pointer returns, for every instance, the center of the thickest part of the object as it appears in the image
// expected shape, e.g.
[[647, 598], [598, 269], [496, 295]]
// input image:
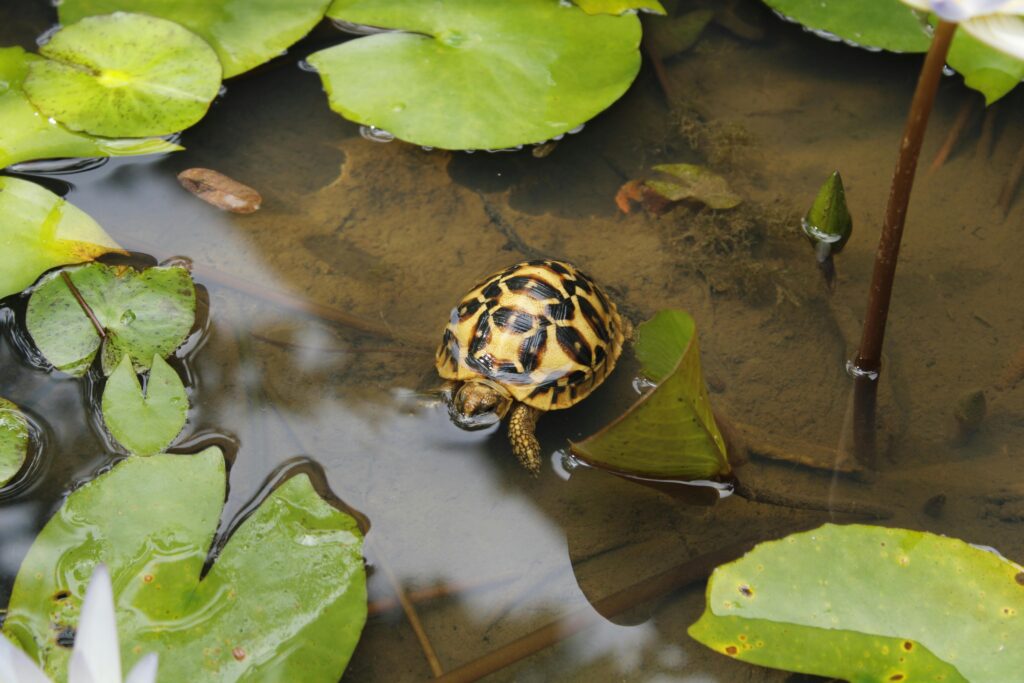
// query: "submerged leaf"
[[124, 75], [219, 190], [13, 440], [144, 314], [864, 603], [619, 6], [472, 74], [144, 424], [285, 599], [39, 231], [691, 182], [673, 35], [26, 135], [244, 34], [670, 433]]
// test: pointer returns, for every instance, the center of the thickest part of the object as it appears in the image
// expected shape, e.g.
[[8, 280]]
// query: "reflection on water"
[[327, 303]]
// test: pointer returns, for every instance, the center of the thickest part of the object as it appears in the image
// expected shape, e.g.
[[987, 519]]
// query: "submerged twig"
[[438, 592], [657, 586], [100, 330], [956, 131], [851, 507], [410, 613], [988, 132]]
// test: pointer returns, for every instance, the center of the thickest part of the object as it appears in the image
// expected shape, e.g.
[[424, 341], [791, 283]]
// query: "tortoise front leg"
[[521, 426]]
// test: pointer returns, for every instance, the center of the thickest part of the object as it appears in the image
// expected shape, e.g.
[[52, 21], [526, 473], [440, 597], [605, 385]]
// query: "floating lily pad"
[[619, 6], [864, 603], [990, 72], [691, 182], [39, 231], [144, 314], [124, 75], [26, 135], [285, 599], [13, 440], [244, 34], [885, 24], [472, 74], [144, 424], [670, 433]]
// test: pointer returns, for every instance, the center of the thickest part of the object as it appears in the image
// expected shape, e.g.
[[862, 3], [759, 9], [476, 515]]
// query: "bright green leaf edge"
[[124, 74], [244, 34], [40, 231], [27, 135], [990, 72], [886, 590], [474, 74], [14, 437], [670, 433], [144, 313], [144, 424], [284, 600], [619, 6]]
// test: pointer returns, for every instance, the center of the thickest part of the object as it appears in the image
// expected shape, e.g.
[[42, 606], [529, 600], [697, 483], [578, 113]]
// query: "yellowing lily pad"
[[475, 74], [866, 603], [40, 231], [26, 135], [143, 314], [284, 600], [124, 75], [244, 33], [13, 440], [670, 433], [147, 423]]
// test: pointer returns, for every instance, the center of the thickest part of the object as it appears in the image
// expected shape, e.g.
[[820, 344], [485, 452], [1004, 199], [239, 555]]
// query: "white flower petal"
[[96, 657], [144, 670], [923, 5], [962, 10], [1000, 31], [18, 667]]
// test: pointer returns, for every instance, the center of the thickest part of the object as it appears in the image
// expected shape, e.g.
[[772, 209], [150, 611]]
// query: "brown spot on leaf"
[[147, 578], [896, 677], [907, 645], [62, 595], [1019, 578], [746, 590], [238, 653], [731, 650]]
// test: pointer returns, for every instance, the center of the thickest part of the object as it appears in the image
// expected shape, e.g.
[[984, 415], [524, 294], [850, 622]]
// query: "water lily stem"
[[100, 330], [869, 357]]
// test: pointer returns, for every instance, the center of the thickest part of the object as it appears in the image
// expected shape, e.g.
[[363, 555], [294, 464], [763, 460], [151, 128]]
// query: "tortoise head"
[[479, 403]]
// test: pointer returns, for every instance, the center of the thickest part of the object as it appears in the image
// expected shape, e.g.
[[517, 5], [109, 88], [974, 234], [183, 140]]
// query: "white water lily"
[[96, 657], [997, 23]]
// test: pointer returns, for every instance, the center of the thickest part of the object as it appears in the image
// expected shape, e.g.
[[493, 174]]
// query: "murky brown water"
[[393, 235]]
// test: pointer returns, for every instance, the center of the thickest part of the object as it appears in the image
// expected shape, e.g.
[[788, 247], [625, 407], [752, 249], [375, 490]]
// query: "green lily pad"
[[475, 74], [124, 75], [885, 24], [144, 314], [619, 6], [990, 72], [285, 599], [244, 34], [865, 603], [26, 135], [670, 433], [40, 231], [144, 424], [13, 440], [692, 182]]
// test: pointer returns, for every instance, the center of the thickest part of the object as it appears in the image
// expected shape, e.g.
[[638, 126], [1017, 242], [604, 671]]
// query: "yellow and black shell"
[[541, 329]]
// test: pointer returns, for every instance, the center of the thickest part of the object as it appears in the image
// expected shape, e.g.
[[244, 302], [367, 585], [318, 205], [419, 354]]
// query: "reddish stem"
[[869, 357]]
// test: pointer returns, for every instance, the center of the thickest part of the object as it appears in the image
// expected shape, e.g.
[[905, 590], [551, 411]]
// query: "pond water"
[[389, 236]]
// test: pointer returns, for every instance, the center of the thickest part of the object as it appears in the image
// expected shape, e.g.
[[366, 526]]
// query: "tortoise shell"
[[541, 329]]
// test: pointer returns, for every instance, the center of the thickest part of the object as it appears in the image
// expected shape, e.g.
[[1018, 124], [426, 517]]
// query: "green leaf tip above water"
[[244, 33], [828, 224], [619, 6], [866, 603], [40, 231], [284, 600], [670, 433], [475, 74], [26, 135], [144, 424], [124, 74], [144, 314], [14, 438]]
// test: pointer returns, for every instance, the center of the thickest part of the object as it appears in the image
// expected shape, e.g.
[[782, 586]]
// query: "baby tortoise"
[[536, 336]]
